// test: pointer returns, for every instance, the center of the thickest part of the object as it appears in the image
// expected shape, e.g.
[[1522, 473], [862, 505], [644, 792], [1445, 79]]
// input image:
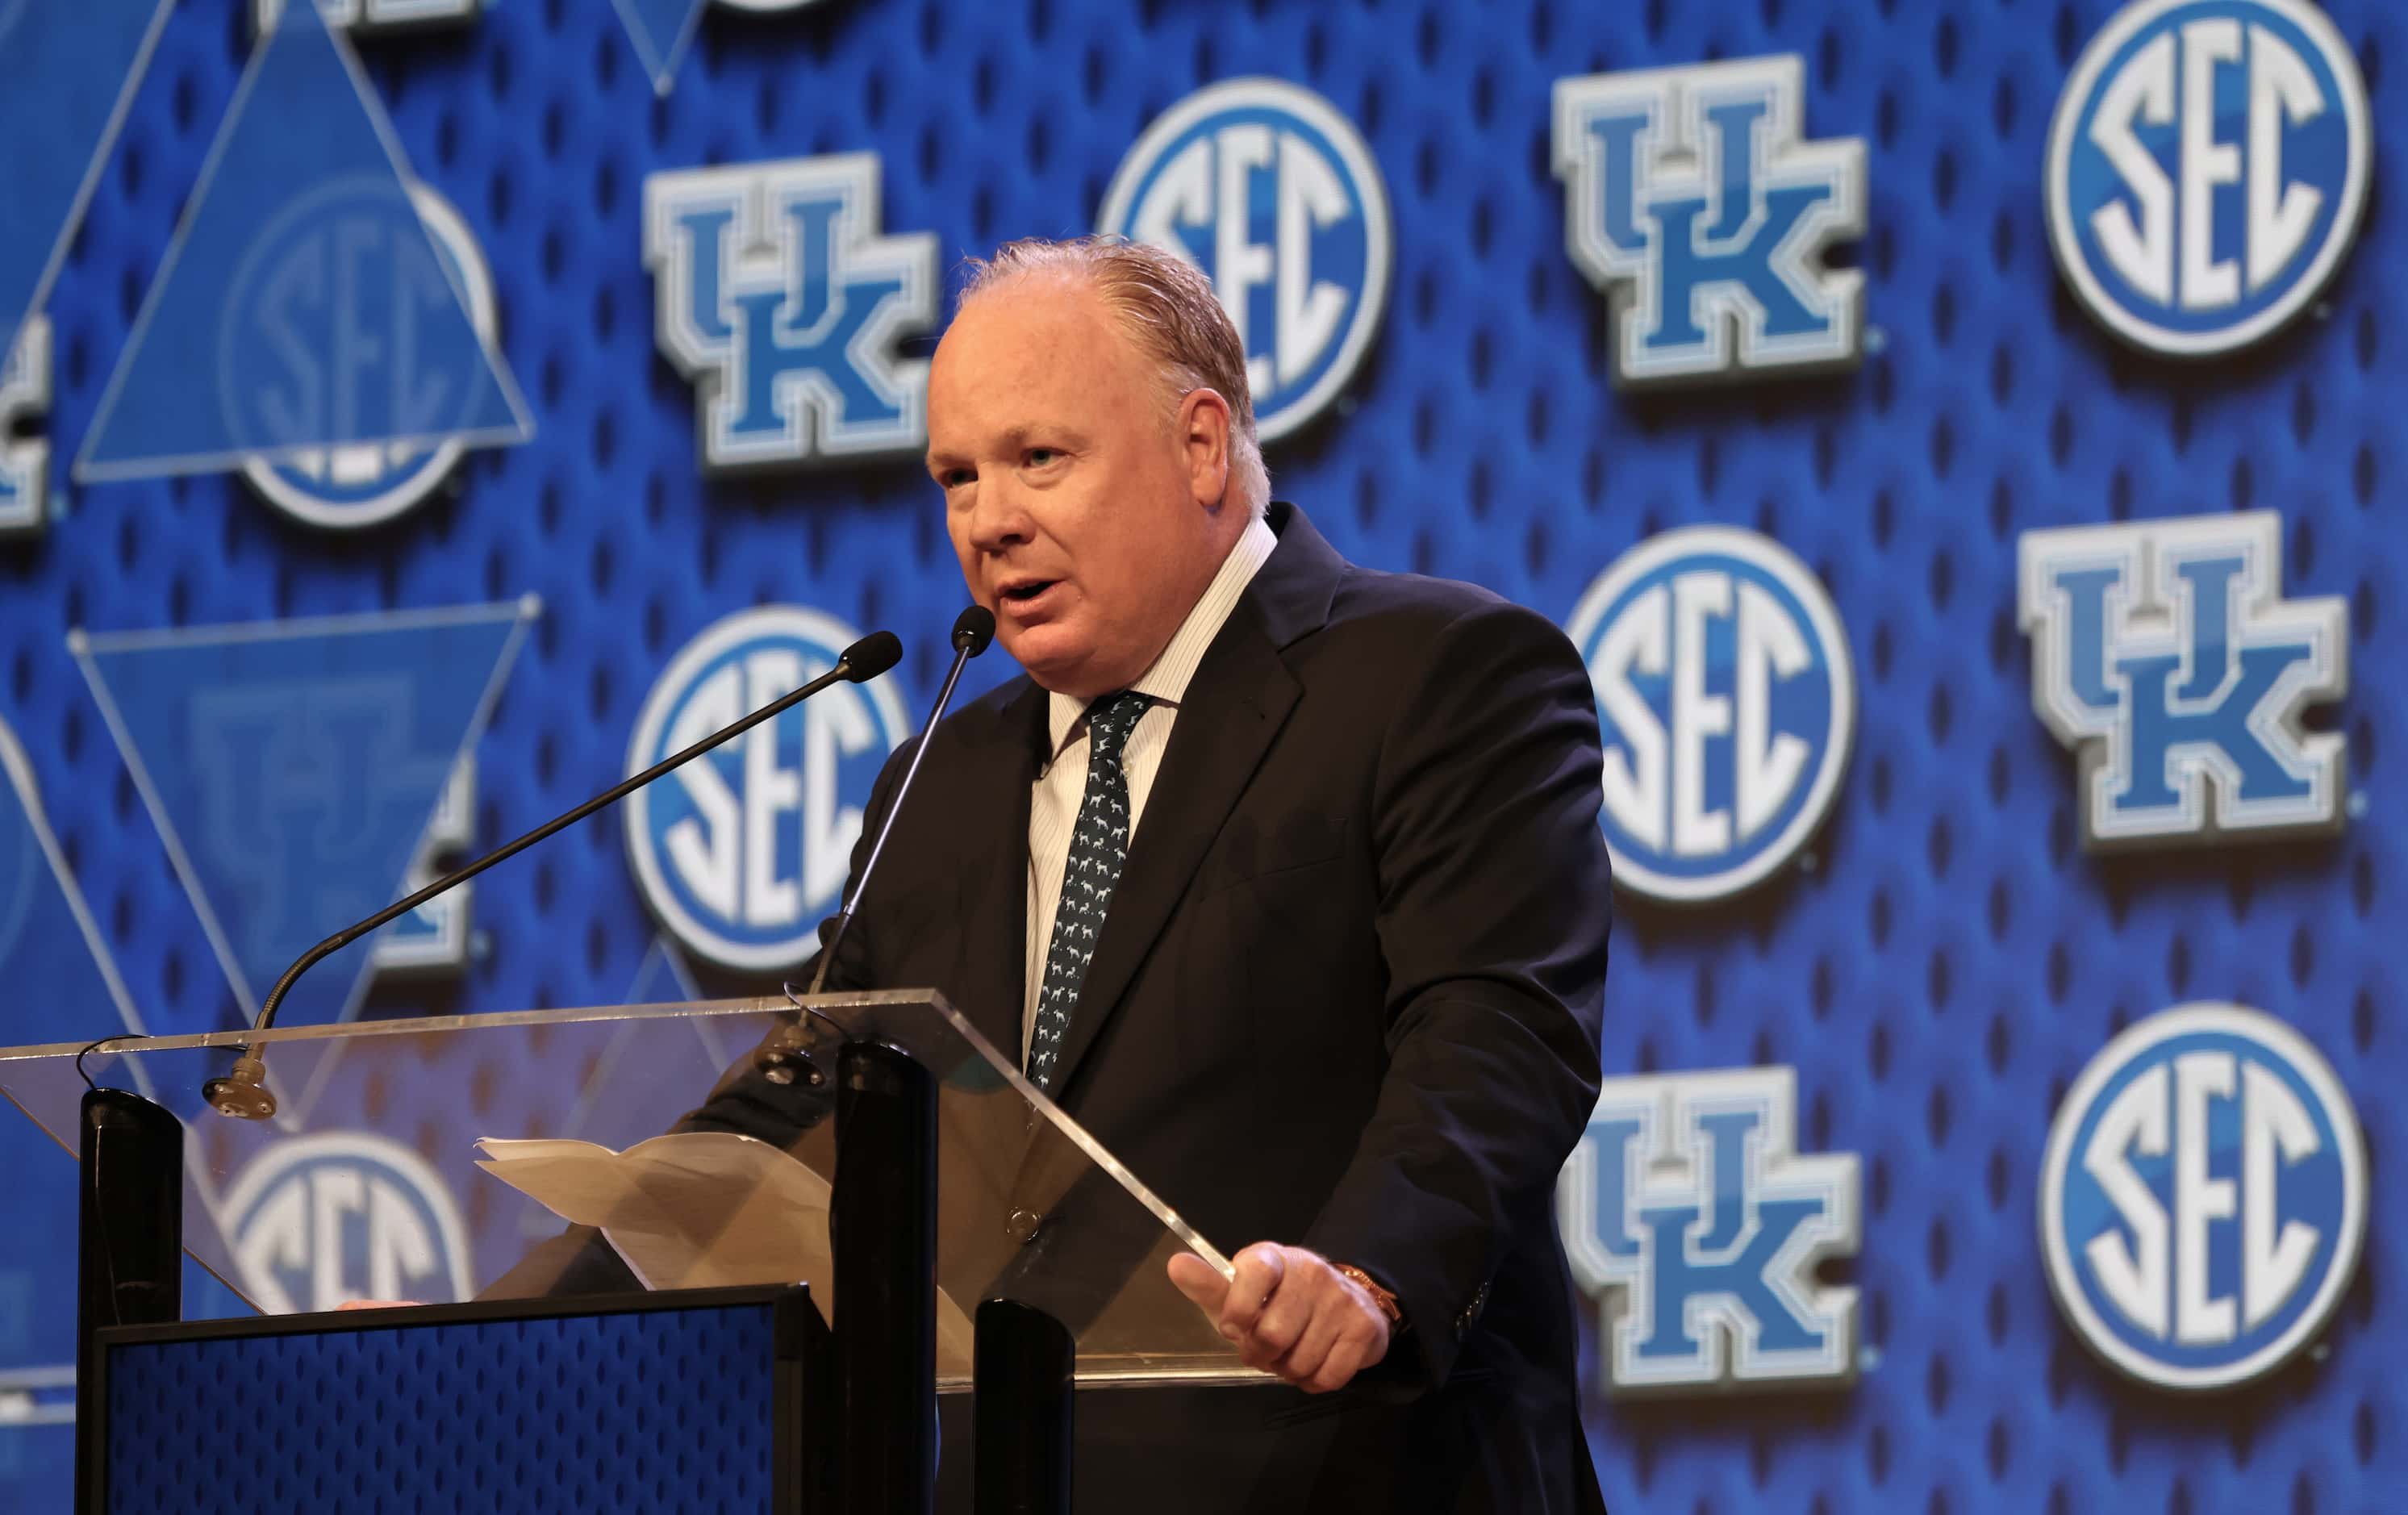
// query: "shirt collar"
[[1165, 682]]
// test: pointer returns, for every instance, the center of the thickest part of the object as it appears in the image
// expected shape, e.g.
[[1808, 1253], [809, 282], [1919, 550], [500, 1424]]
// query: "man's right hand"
[[1291, 1312]]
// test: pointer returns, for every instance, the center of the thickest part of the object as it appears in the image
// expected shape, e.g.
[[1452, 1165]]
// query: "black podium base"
[[699, 1399]]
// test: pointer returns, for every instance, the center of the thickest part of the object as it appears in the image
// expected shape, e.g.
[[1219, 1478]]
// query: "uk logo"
[[1694, 203], [336, 751], [2204, 1198], [300, 773], [25, 456], [2165, 657], [1687, 1212], [315, 1221], [743, 852], [778, 296], [1271, 193], [1728, 706], [2207, 169], [348, 487]]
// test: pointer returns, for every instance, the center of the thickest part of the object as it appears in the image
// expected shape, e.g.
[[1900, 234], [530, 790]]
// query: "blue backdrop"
[[1938, 963]]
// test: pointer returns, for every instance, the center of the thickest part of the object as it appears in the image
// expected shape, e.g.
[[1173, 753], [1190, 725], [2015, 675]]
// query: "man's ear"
[[1203, 429]]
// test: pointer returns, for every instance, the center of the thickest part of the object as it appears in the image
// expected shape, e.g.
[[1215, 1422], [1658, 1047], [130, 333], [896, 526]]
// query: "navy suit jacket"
[[1348, 994]]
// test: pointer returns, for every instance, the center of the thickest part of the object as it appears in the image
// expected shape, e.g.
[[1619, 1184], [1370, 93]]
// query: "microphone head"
[[866, 659], [243, 1093], [973, 629]]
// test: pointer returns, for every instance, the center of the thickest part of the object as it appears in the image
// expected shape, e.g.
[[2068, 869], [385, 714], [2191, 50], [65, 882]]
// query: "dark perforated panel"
[[1947, 960], [665, 1409]]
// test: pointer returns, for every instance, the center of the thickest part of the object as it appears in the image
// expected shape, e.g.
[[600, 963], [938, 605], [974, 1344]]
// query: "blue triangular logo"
[[72, 71], [292, 769], [661, 31], [302, 304]]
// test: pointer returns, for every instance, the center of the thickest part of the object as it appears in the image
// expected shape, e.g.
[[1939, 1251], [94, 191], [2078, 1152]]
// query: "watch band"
[[1384, 1298]]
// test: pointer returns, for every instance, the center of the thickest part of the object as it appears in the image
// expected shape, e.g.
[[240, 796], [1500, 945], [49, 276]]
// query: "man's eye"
[[1039, 456], [952, 477]]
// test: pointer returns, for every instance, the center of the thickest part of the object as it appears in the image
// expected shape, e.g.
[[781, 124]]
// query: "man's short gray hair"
[[1168, 310]]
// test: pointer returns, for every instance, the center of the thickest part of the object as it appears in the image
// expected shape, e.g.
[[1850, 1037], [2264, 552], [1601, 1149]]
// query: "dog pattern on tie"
[[1098, 848]]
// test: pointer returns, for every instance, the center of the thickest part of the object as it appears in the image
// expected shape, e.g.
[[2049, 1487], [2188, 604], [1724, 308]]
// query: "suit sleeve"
[[580, 1260], [1494, 907]]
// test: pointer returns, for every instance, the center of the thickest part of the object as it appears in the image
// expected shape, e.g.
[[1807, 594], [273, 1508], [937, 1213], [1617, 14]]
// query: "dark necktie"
[[1098, 848]]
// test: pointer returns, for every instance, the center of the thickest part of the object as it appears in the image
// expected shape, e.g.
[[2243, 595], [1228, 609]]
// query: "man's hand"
[[1290, 1312]]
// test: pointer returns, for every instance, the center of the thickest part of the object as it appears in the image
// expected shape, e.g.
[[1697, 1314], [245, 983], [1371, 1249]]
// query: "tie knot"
[[1112, 718]]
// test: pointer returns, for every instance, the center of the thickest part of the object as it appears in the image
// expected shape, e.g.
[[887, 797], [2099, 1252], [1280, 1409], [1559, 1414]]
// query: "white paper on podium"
[[701, 1209]]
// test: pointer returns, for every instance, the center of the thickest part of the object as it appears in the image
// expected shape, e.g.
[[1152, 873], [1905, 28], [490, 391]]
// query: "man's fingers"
[[1201, 1282], [1258, 1354], [1346, 1358], [1303, 1295], [1313, 1346], [1259, 1269], [1292, 1315]]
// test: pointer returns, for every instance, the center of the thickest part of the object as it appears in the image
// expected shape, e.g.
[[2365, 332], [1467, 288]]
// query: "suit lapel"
[[1234, 705], [993, 802]]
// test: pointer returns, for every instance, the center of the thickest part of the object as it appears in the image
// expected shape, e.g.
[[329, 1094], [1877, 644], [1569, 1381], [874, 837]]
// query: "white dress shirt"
[[1054, 807]]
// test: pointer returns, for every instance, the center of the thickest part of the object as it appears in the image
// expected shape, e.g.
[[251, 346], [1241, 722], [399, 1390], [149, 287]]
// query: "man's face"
[[1084, 521]]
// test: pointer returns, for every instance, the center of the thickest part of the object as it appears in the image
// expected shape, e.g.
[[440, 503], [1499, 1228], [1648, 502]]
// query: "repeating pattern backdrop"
[[1937, 964]]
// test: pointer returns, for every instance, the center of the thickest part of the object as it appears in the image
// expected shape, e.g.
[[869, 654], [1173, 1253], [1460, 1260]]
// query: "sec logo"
[[321, 334], [315, 1221], [2207, 168], [2203, 1197], [1729, 705], [1271, 192], [743, 850], [346, 488]]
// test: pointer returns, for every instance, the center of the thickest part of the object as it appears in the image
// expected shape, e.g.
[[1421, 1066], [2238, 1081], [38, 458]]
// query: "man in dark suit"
[[1284, 878]]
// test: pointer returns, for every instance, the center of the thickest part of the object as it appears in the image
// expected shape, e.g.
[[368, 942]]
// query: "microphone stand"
[[783, 1057], [243, 1093]]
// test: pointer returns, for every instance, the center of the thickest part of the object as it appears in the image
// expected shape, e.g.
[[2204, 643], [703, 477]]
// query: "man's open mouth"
[[1022, 592]]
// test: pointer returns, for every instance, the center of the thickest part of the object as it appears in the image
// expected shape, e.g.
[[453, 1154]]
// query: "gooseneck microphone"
[[243, 1093], [973, 630]]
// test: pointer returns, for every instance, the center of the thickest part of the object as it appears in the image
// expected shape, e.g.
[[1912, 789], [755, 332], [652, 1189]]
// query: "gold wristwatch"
[[1384, 1298]]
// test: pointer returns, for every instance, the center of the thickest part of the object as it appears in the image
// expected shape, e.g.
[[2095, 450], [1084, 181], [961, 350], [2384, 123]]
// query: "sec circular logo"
[[328, 325], [2203, 1197], [347, 488], [743, 851], [1269, 190], [1728, 704], [2207, 170], [318, 1220]]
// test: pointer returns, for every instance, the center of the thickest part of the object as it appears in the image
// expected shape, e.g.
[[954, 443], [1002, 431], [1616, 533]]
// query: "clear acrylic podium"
[[366, 1184]]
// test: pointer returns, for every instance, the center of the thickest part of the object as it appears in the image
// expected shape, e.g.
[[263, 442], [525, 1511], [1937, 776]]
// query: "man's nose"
[[998, 519]]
